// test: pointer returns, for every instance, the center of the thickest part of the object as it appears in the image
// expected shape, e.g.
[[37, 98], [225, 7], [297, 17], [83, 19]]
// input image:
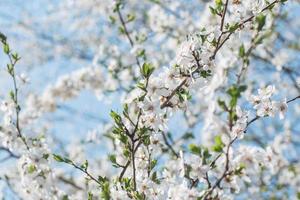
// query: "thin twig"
[[166, 102], [128, 35], [169, 145], [240, 25]]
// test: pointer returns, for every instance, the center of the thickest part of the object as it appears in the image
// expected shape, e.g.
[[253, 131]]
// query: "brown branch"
[[240, 25], [85, 172], [291, 100], [70, 182], [223, 15], [169, 145], [128, 163], [166, 102], [127, 34], [225, 172]]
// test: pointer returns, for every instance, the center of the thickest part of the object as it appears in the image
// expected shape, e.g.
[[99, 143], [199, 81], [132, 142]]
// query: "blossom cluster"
[[189, 124]]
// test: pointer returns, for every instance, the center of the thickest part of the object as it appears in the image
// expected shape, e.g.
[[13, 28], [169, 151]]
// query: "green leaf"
[[46, 156], [15, 56], [239, 170], [147, 70], [232, 116], [117, 7], [233, 102], [205, 155], [85, 165], [65, 197], [195, 149], [154, 178], [219, 145], [242, 51], [235, 93], [90, 196], [126, 152], [113, 159], [219, 6], [112, 19], [261, 21], [242, 88], [213, 11], [130, 17], [58, 158], [233, 27], [2, 38], [102, 179], [183, 95], [10, 69], [125, 108], [31, 169], [153, 164], [222, 104], [116, 117], [12, 95], [205, 73], [105, 192], [188, 135], [218, 140], [6, 48], [121, 29]]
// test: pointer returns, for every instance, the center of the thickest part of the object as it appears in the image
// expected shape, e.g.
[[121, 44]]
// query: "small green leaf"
[[65, 197], [113, 159], [261, 21], [12, 95], [147, 70], [205, 73], [58, 158], [195, 149], [222, 104], [46, 156], [130, 17], [219, 145], [213, 11], [90, 196], [233, 27], [219, 6], [188, 135], [126, 152], [15, 56], [105, 192], [112, 19], [31, 169], [242, 51], [121, 29], [153, 164], [6, 48], [116, 117], [2, 38], [85, 165], [205, 155]]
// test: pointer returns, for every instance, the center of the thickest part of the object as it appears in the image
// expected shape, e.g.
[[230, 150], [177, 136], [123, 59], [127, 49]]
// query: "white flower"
[[266, 92], [149, 106], [241, 123], [281, 107], [24, 78], [263, 103]]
